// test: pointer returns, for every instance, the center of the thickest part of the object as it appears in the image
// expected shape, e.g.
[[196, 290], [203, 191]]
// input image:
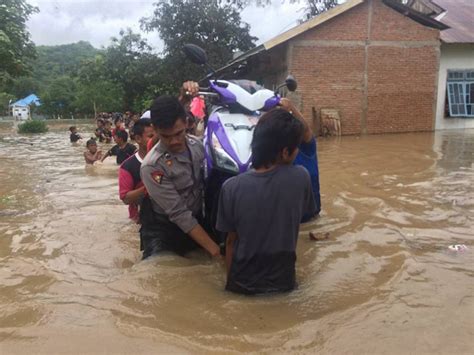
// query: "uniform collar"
[[161, 151]]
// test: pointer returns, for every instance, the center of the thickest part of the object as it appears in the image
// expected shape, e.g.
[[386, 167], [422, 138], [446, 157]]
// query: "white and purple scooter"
[[236, 107]]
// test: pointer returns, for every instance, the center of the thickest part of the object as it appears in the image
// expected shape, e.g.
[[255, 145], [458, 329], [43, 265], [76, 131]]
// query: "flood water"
[[383, 282]]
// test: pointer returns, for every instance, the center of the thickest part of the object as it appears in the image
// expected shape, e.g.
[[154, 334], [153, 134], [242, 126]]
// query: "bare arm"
[[290, 107], [105, 156], [229, 249], [134, 196], [200, 236]]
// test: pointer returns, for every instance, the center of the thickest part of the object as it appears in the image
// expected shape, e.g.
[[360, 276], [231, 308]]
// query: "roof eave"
[[415, 15]]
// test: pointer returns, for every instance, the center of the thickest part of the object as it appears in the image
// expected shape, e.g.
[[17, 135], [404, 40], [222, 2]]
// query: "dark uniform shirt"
[[175, 182]]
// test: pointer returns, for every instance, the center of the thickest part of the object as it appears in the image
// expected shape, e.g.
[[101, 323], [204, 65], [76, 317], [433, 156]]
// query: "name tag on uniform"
[[157, 176]]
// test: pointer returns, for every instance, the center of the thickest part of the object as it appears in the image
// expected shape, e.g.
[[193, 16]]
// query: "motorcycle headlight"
[[222, 159]]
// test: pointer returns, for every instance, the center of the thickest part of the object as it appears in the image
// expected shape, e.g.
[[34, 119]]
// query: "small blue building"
[[21, 109]]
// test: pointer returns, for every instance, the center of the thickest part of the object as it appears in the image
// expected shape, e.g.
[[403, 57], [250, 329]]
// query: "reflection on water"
[[383, 282]]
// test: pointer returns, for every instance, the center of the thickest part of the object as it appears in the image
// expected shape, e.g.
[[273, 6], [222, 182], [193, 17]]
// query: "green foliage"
[[130, 64], [4, 101], [215, 26], [32, 126], [78, 79], [15, 43], [56, 61], [98, 96], [24, 86], [59, 98]]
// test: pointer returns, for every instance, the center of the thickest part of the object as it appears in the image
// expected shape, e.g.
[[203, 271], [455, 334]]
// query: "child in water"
[[74, 137], [91, 155]]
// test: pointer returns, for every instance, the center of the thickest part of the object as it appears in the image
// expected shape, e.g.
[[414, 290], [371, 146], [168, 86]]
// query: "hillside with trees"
[[80, 80]]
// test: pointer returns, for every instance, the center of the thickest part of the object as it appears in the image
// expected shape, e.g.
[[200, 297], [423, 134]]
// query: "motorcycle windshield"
[[243, 91], [248, 85], [239, 131]]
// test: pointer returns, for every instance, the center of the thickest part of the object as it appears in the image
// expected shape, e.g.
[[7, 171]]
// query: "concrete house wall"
[[453, 56]]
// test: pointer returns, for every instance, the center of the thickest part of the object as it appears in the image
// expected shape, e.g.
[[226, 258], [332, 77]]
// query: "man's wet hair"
[[72, 128], [277, 129], [165, 111], [91, 141], [122, 135], [139, 127]]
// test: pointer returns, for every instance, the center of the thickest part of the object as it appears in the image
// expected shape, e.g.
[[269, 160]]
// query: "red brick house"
[[374, 61]]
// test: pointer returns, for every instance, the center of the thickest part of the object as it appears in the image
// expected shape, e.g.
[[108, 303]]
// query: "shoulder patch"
[[157, 176]]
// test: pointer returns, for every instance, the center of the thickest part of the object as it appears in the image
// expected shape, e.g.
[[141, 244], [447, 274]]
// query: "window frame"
[[459, 89]]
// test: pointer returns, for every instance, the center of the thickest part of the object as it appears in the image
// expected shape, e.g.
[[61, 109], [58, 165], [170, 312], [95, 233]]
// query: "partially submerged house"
[[375, 62]]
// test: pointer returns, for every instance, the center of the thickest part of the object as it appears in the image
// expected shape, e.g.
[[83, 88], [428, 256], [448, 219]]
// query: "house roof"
[[415, 15], [26, 101], [315, 21], [459, 16]]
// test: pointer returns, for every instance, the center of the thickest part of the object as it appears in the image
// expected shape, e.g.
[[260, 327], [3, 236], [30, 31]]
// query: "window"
[[461, 93]]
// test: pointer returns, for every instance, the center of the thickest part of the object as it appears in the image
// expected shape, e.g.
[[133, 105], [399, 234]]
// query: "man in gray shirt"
[[261, 210]]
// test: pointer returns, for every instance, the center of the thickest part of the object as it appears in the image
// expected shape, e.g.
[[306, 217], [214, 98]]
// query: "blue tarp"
[[29, 100]]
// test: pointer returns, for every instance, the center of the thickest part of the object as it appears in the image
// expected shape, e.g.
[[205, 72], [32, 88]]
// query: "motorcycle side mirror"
[[195, 54], [291, 83]]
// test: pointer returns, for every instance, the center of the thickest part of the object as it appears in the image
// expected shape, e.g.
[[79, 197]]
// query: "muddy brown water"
[[71, 279]]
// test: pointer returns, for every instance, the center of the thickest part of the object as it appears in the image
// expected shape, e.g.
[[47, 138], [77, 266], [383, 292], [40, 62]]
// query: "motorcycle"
[[236, 106]]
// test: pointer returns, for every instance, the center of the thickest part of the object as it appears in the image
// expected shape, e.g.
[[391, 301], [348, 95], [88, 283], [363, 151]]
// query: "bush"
[[33, 127]]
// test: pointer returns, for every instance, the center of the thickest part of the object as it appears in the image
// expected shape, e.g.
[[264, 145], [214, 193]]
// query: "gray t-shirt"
[[265, 210]]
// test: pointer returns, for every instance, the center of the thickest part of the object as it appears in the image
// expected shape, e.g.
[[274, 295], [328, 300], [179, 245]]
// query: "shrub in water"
[[33, 127]]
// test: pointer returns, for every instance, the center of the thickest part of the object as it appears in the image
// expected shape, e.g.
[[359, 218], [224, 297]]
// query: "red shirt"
[[129, 179]]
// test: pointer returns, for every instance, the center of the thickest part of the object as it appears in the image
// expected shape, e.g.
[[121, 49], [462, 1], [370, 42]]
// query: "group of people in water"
[[161, 180]]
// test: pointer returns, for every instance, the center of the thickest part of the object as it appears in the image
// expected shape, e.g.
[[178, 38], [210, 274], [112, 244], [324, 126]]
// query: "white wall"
[[21, 112], [453, 56]]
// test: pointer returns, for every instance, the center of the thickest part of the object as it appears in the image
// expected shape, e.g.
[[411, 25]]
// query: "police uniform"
[[174, 183]]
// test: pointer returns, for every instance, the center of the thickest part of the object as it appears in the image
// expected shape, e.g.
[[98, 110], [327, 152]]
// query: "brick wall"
[[328, 79], [376, 66]]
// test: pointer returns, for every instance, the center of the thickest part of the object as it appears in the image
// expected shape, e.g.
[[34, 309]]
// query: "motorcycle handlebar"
[[204, 93]]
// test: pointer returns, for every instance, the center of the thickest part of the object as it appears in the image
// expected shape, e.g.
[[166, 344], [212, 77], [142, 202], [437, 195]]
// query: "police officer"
[[172, 174]]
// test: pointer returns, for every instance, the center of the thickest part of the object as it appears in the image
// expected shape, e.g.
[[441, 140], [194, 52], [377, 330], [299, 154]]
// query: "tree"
[[130, 63], [316, 7], [16, 47], [59, 98], [215, 26], [24, 86], [5, 100], [96, 92]]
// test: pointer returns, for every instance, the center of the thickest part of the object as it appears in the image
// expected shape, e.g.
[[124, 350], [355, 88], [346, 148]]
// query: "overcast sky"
[[95, 21]]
